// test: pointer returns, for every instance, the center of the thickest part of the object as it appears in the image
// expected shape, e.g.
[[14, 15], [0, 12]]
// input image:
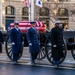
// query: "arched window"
[[44, 0], [62, 12], [25, 11], [44, 12], [44, 16], [9, 10], [63, 0]]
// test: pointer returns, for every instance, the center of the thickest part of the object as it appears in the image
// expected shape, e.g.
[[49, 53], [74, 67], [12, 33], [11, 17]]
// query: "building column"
[[32, 10], [1, 28]]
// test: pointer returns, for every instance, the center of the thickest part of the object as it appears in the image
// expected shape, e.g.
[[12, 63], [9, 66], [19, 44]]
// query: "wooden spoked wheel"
[[49, 51], [8, 47]]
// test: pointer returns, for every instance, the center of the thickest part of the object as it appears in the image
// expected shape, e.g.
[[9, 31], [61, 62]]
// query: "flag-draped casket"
[[25, 25]]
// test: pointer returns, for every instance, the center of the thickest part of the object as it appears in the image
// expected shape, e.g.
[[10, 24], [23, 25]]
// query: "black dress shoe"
[[0, 51], [15, 62], [57, 65], [33, 63]]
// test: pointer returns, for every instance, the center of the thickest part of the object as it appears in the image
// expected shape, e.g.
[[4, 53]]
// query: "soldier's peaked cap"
[[16, 23], [32, 22], [57, 22]]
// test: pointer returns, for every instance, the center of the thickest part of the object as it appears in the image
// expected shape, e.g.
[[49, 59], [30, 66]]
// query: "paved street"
[[69, 61], [43, 67], [9, 69]]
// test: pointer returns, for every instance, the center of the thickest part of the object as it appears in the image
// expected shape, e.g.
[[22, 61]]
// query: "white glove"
[[39, 43], [30, 44], [22, 43], [62, 44], [54, 45], [49, 44], [13, 43]]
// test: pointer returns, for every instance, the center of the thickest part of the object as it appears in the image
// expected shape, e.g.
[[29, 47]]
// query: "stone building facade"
[[63, 10]]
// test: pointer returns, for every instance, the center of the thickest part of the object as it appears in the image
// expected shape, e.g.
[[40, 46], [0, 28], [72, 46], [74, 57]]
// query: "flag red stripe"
[[24, 26], [27, 2]]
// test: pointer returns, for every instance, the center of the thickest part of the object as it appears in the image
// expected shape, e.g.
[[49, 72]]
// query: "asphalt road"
[[20, 69], [43, 67], [26, 58]]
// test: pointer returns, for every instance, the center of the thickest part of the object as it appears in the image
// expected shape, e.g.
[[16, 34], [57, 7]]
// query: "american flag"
[[39, 24], [25, 25], [27, 3]]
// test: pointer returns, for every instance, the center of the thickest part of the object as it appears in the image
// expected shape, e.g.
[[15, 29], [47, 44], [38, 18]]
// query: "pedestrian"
[[1, 41], [57, 43], [33, 38], [16, 41]]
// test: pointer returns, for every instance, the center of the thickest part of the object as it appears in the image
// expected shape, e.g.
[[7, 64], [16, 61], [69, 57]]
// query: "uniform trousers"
[[0, 47], [34, 56], [15, 57], [55, 61]]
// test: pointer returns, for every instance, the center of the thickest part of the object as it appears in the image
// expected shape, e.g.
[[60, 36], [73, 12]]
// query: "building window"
[[62, 12], [25, 11], [9, 10], [44, 12], [44, 16], [63, 0], [44, 0]]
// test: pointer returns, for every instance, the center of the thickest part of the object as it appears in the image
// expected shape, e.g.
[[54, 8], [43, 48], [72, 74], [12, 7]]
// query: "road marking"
[[40, 65], [27, 62], [60, 67], [25, 58], [28, 58], [69, 61]]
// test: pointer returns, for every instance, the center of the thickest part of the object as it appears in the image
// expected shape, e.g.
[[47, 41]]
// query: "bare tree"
[[72, 12], [54, 6]]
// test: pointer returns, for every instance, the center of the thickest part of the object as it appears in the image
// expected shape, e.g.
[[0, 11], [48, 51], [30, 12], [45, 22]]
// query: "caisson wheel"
[[73, 53], [42, 53], [49, 51], [8, 47]]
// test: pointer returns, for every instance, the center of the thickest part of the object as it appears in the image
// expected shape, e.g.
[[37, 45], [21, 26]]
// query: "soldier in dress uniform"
[[1, 41], [33, 38], [57, 42], [16, 41]]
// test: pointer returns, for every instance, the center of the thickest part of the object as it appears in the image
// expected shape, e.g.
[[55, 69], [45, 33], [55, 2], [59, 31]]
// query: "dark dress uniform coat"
[[34, 38], [1, 41], [57, 39], [1, 37], [17, 38]]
